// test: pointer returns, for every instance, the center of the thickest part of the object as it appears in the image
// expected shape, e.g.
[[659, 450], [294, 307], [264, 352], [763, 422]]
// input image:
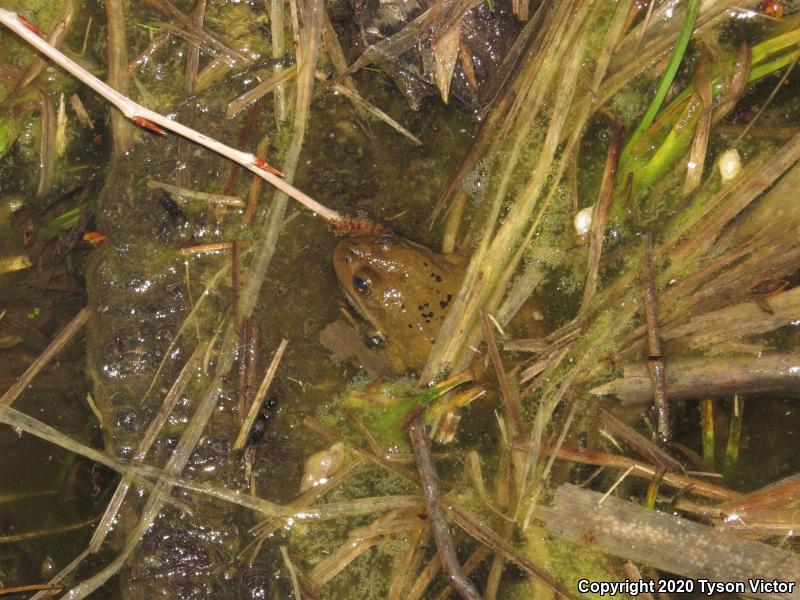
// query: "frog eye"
[[362, 285], [385, 239]]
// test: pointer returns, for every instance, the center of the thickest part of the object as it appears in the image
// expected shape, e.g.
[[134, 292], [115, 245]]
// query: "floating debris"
[[322, 465]]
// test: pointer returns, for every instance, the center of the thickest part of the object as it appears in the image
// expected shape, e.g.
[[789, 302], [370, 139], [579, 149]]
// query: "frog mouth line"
[[361, 313]]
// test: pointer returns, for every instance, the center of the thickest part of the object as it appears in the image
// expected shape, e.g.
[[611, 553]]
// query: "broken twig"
[[156, 122]]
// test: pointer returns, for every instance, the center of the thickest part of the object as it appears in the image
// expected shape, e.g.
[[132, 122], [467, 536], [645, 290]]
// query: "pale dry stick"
[[170, 400], [238, 104], [255, 407], [55, 38], [22, 422], [619, 480], [263, 530], [155, 121], [61, 340], [292, 573]]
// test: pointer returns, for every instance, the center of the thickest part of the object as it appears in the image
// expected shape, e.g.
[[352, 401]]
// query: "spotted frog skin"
[[403, 289]]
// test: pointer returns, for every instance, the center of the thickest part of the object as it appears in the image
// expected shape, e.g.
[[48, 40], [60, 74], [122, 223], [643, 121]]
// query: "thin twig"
[[154, 121], [207, 248], [643, 470], [277, 24], [56, 38], [61, 340], [50, 587], [40, 533], [655, 362], [735, 86], [148, 439], [389, 465], [638, 442], [766, 102], [511, 400], [117, 51], [178, 193], [616, 484], [648, 15], [168, 9], [255, 407], [146, 54], [292, 573], [441, 533], [368, 437], [238, 104], [484, 534], [360, 102], [604, 197]]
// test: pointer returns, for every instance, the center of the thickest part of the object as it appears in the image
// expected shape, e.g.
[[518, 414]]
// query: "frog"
[[403, 289]]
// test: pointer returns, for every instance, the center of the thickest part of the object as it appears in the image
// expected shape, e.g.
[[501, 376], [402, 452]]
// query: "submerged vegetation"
[[611, 394]]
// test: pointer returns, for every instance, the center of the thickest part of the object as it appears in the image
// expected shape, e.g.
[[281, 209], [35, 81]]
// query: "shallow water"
[[140, 290]]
